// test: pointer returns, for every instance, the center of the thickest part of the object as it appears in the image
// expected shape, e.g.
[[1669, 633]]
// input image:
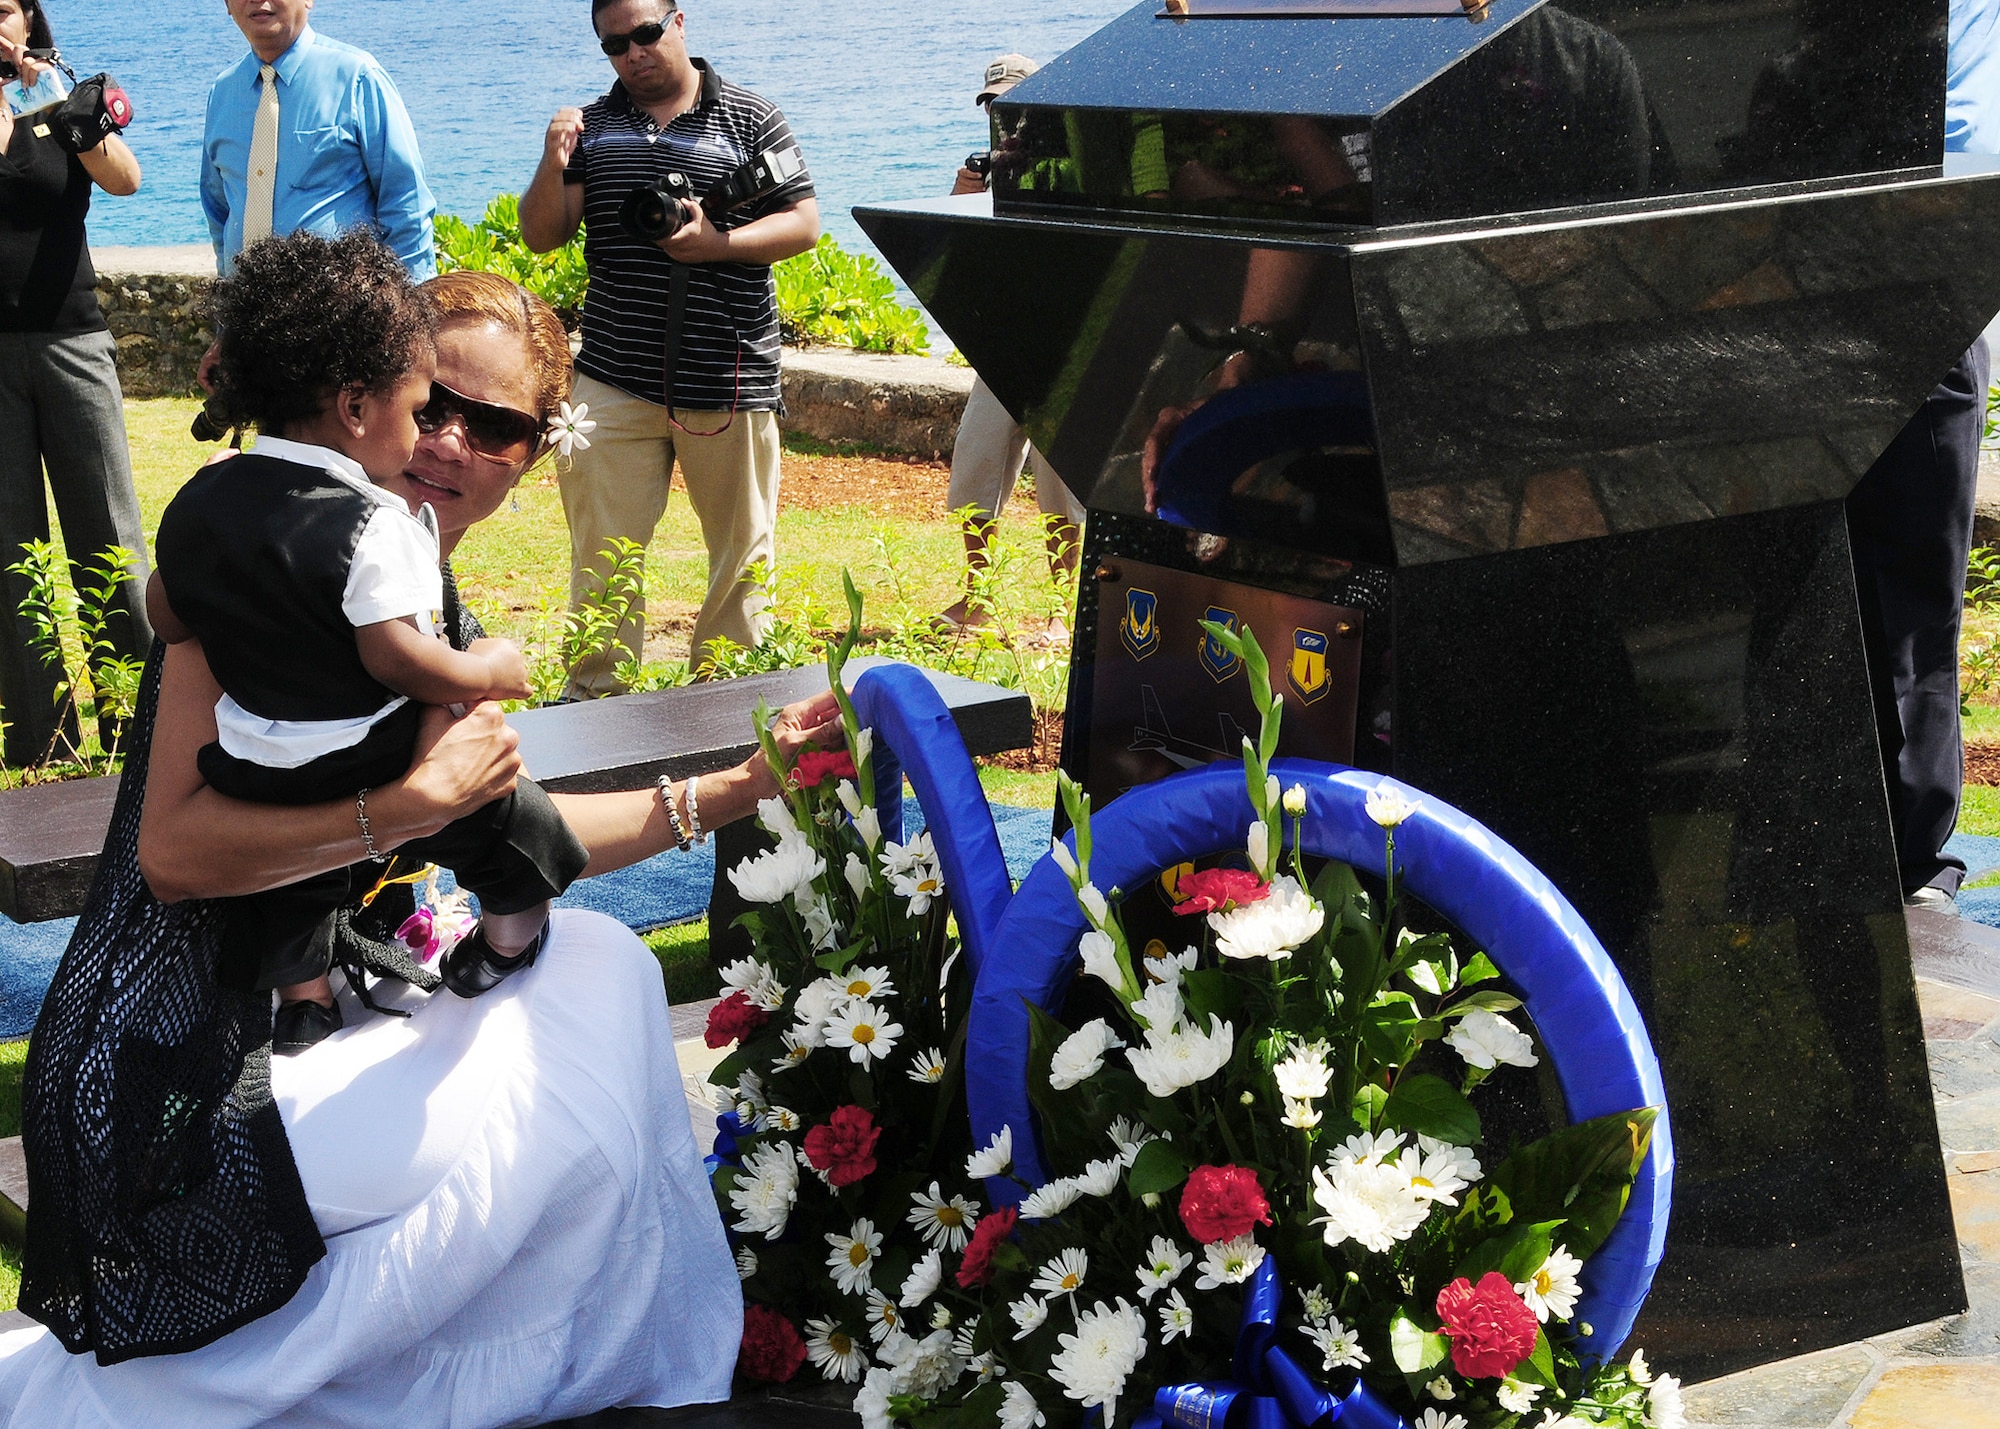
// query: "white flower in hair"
[[569, 428]]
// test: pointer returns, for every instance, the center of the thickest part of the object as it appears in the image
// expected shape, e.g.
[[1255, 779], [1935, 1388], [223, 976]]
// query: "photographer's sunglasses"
[[496, 433], [645, 36]]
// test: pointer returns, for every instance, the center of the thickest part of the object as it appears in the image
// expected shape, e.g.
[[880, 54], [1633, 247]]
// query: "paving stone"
[[1953, 1013], [1977, 1161], [1804, 1393], [1975, 1211], [1970, 1123], [1965, 1067], [1963, 1396], [1976, 1332]]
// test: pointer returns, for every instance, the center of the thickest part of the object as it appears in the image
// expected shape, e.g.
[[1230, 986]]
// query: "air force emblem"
[[1141, 628], [1216, 658], [1308, 671]]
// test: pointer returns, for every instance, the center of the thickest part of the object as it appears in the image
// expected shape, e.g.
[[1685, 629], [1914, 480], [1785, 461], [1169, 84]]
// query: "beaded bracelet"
[[361, 818], [673, 814], [694, 812]]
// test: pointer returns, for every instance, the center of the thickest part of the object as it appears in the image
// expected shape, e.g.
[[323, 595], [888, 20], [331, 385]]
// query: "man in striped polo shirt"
[[670, 113]]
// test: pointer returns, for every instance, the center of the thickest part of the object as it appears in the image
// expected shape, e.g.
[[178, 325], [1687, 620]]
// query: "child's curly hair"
[[302, 317]]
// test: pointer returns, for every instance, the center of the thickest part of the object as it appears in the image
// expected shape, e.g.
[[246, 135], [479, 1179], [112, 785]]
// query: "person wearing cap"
[[991, 449]]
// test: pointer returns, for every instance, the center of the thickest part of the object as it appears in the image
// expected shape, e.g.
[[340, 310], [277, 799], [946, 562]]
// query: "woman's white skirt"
[[518, 1225]]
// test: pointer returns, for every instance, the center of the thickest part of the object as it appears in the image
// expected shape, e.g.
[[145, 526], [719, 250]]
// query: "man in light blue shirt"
[[345, 152]]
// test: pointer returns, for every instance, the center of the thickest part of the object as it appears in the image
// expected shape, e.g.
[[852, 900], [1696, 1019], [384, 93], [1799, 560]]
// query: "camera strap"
[[677, 301]]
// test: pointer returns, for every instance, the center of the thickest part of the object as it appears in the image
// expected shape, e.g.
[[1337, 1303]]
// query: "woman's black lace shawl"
[[166, 1209]]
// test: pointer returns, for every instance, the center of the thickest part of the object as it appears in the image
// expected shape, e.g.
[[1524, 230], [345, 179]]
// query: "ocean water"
[[880, 95]]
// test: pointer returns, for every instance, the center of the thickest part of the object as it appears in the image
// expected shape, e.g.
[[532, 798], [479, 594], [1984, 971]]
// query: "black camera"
[[659, 210], [48, 57], [94, 110], [981, 163]]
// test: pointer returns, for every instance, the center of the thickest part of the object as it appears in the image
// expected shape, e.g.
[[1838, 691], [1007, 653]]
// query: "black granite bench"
[[50, 835]]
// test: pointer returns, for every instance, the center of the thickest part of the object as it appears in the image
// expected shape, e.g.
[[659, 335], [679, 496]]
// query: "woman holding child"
[[489, 1212]]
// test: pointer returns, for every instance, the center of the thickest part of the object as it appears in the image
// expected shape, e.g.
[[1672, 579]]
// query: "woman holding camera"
[[60, 407]]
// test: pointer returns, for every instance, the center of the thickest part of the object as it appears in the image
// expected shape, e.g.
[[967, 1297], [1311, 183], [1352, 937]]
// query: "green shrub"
[[494, 245]]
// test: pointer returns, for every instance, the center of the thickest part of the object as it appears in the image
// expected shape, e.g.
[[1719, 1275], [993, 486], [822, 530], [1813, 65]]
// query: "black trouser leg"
[[512, 854], [733, 843]]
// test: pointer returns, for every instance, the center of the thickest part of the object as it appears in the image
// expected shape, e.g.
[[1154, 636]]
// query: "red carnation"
[[1491, 1329], [1222, 1203], [814, 765], [844, 1148], [771, 1348], [994, 1227], [733, 1018], [1217, 890]]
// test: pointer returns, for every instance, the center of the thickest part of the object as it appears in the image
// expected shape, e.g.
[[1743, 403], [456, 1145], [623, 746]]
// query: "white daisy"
[[1553, 1290], [834, 1352], [1093, 1363], [746, 1262], [1438, 1419], [1486, 1039], [1438, 1170], [569, 428], [1182, 1056], [1387, 805], [864, 1030], [1176, 1319], [766, 1185], [778, 1118], [1272, 926], [920, 885], [1030, 1314], [926, 1066], [797, 1049], [866, 984], [1100, 1178], [1516, 1397], [923, 1282], [903, 858], [941, 1317], [1063, 1275], [884, 1316], [853, 1256], [776, 874], [1339, 1347], [1081, 1055], [995, 1157], [1664, 1409], [1229, 1262], [1164, 1263], [1019, 1410], [946, 1221], [1051, 1199], [962, 1341]]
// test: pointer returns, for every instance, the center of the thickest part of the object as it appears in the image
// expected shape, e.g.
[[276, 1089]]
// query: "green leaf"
[[1335, 883], [1368, 1103], [1431, 1106], [1210, 990], [1516, 1253], [1158, 1168], [1415, 1349], [1581, 1175], [1488, 1001], [1478, 968], [1429, 977]]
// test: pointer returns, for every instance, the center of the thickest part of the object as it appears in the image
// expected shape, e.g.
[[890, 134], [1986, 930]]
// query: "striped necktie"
[[263, 177]]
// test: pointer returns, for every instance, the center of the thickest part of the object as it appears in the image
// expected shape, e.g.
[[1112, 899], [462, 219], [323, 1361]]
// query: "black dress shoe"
[[303, 1024], [472, 967]]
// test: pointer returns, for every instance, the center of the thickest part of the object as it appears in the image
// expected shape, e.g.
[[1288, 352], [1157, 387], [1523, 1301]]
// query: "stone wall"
[[160, 323]]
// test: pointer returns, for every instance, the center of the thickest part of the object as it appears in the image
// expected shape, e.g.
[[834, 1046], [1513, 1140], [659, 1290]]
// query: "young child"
[[317, 598]]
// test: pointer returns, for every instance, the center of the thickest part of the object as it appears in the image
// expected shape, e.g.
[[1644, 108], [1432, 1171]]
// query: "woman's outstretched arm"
[[195, 843]]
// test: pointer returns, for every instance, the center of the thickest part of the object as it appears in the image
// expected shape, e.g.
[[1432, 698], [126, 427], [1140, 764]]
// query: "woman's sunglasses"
[[496, 433], [645, 36]]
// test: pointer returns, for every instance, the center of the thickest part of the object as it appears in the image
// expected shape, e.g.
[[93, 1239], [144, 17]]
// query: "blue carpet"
[[672, 888], [1982, 856]]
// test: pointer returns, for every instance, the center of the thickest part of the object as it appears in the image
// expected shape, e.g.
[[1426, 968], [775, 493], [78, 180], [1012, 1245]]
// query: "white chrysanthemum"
[[570, 428], [1638, 1369], [821, 930], [1093, 905], [1440, 1388], [817, 1001], [834, 1352], [1051, 1199], [1516, 1397], [1370, 1146], [1553, 1290], [1182, 1057], [1130, 1138], [967, 1333], [864, 1031], [1486, 1039], [1316, 1304], [1387, 805], [1164, 1263], [866, 984], [1019, 1410], [1065, 860], [871, 1401], [921, 885], [852, 1256], [775, 815], [922, 1281], [995, 1157], [1229, 1262], [746, 1262], [1093, 1363], [926, 1066], [1664, 1409], [1173, 966], [1301, 1114], [1160, 1005], [1176, 1319], [1438, 1170], [884, 1316], [1552, 1420], [1339, 1346], [1064, 1275], [945, 1221], [941, 1319], [856, 873], [765, 1188], [1081, 1054], [776, 874], [1029, 1313], [1438, 1419], [757, 981], [1272, 926], [1304, 1074], [925, 1368], [1100, 958], [1100, 1178], [1368, 1201]]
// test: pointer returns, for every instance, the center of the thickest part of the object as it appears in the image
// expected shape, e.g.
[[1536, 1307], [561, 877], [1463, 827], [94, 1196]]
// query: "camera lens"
[[651, 214]]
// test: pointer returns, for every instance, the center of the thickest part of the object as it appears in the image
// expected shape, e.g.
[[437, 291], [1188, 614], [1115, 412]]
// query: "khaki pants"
[[619, 486]]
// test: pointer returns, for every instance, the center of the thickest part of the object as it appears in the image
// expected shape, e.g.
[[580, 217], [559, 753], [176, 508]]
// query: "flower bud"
[[1065, 860], [1271, 791], [1248, 1099], [1295, 801], [1151, 1200]]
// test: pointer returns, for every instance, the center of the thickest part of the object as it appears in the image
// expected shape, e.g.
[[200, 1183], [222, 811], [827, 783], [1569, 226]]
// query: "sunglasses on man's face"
[[496, 433], [645, 36]]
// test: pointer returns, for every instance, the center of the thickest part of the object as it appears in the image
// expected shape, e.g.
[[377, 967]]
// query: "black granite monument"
[[1544, 342]]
